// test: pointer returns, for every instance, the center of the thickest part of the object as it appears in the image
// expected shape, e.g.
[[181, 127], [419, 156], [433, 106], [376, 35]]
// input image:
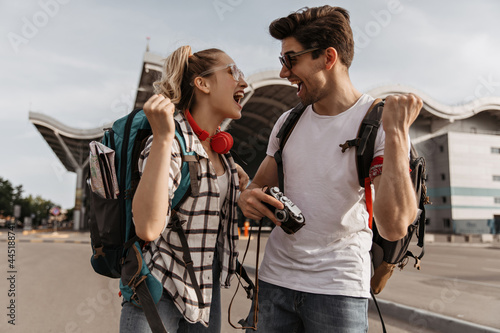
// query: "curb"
[[423, 319], [449, 244]]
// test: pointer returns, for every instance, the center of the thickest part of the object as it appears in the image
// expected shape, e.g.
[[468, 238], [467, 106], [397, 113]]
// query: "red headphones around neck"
[[221, 142]]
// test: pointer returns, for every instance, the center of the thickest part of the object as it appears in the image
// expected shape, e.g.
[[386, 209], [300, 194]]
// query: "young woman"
[[206, 87]]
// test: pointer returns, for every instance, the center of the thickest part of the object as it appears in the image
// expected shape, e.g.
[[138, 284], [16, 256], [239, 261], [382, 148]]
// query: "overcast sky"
[[80, 61]]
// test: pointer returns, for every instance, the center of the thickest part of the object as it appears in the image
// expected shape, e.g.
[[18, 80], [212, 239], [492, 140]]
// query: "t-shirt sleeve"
[[379, 143]]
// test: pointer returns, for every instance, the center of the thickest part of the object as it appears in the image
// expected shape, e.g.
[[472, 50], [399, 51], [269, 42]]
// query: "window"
[[443, 176], [441, 149], [496, 178], [446, 223], [497, 200], [444, 199], [495, 150]]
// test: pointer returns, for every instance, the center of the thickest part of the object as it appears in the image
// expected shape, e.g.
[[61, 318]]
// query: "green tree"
[[6, 196], [18, 192], [30, 205], [39, 207]]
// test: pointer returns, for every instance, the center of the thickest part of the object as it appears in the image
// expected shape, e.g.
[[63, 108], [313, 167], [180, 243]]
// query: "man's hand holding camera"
[[290, 217], [252, 205], [276, 206]]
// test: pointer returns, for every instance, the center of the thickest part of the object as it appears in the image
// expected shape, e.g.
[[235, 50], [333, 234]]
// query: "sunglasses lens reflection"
[[285, 61], [236, 72]]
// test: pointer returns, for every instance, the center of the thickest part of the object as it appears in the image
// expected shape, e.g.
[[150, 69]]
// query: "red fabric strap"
[[376, 167], [375, 170], [369, 202]]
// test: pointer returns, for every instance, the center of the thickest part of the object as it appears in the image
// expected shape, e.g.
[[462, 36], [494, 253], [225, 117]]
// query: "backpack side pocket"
[[107, 244]]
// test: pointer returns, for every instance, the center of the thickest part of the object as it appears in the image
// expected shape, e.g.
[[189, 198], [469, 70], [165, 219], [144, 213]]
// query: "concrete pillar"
[[77, 215]]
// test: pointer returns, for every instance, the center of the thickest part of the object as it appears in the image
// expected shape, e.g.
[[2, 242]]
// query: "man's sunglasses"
[[235, 71], [286, 59]]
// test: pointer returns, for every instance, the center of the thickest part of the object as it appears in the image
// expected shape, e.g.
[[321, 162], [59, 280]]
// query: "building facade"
[[461, 145]]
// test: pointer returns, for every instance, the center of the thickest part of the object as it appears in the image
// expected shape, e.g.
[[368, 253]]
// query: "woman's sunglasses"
[[235, 71]]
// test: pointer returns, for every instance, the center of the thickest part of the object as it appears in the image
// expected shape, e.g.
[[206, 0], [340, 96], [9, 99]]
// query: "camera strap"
[[251, 295]]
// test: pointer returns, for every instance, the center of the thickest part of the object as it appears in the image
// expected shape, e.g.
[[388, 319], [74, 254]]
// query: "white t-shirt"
[[223, 181], [330, 254]]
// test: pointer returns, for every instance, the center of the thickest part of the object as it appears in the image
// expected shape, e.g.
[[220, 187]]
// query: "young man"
[[318, 280]]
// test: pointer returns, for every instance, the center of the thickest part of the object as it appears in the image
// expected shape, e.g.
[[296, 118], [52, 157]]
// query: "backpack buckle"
[[403, 263], [349, 143], [133, 285], [249, 291], [135, 298], [175, 222], [417, 263], [187, 262], [99, 252]]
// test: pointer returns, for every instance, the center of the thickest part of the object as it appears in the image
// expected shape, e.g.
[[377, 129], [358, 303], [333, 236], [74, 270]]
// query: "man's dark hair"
[[320, 27]]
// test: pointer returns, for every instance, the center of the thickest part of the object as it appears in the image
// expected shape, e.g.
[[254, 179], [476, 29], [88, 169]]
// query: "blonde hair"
[[180, 69]]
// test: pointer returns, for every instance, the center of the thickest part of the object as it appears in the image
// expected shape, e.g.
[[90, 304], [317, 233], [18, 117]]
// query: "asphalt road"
[[56, 289]]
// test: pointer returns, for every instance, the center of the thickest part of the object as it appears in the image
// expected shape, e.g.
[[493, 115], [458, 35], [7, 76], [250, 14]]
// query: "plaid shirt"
[[200, 217]]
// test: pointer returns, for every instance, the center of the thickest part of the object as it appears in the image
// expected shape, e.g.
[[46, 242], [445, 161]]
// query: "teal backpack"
[[116, 248]]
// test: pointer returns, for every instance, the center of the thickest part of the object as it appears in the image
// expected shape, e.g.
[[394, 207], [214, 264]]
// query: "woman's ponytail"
[[173, 73]]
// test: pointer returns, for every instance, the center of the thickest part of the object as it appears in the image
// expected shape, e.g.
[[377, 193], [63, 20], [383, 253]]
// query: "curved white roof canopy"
[[266, 98], [71, 145], [452, 113]]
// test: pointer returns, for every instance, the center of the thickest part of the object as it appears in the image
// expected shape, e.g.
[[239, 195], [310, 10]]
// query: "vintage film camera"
[[291, 217]]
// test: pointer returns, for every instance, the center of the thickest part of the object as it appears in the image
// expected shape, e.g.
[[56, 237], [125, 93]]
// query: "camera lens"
[[281, 215]]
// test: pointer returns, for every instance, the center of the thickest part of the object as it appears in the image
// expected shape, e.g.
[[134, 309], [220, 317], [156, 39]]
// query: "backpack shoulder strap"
[[283, 135], [365, 140], [367, 135], [365, 146], [189, 172], [289, 124], [188, 186]]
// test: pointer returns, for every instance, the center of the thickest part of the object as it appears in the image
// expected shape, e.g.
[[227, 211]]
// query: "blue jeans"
[[133, 319], [290, 311]]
